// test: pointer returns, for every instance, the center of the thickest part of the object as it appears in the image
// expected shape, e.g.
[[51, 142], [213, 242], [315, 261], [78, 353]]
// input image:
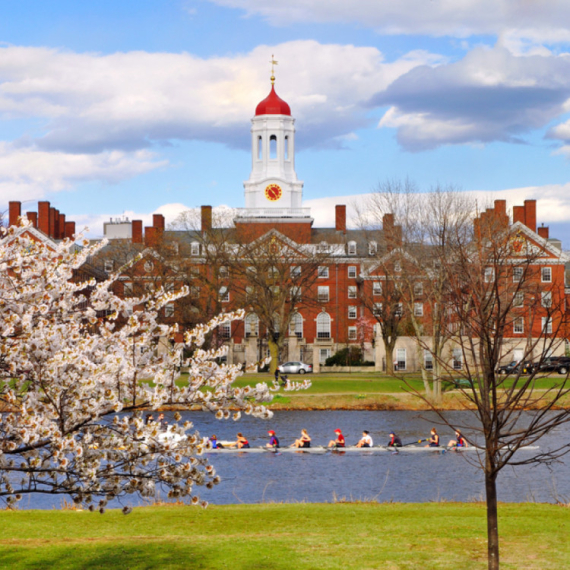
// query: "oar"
[[395, 448]]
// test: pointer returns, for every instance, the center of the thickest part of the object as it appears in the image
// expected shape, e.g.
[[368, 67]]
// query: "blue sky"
[[137, 107]]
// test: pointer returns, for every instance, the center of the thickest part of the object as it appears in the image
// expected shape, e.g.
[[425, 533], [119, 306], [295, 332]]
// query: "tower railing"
[[273, 212]]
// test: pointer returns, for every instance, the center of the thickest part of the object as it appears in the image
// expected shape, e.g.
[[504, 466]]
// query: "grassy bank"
[[286, 536]]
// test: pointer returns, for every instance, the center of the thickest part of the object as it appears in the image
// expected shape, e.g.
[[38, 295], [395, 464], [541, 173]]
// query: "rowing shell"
[[319, 450]]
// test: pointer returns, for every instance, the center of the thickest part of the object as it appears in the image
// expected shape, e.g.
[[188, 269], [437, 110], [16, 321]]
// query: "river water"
[[405, 477]]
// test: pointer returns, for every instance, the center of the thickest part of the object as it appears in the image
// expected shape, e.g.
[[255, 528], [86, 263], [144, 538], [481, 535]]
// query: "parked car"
[[295, 368], [563, 365], [553, 363], [515, 366]]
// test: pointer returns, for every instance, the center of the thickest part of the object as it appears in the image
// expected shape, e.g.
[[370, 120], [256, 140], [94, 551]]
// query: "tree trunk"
[[389, 359], [492, 519], [274, 352]]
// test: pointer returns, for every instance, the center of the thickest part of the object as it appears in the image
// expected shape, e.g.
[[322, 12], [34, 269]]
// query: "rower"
[[366, 440], [273, 441], [214, 441], [459, 440], [434, 439], [240, 443], [339, 441], [304, 440], [395, 441]]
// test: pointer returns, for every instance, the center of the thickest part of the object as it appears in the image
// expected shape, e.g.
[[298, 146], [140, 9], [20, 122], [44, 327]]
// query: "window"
[[194, 272], [352, 312], [518, 299], [148, 266], [546, 274], [273, 273], [352, 292], [323, 326], [175, 247], [372, 248], [400, 359], [398, 310], [224, 295], [323, 294], [169, 310], [226, 330], [194, 292], [352, 333], [251, 325], [273, 147], [194, 248], [457, 359], [296, 325], [489, 274], [127, 288], [323, 247], [418, 309], [418, 289], [259, 148], [109, 265], [223, 271], [295, 294], [518, 325], [352, 271], [323, 272], [324, 353], [546, 325], [376, 288], [295, 271], [351, 248], [517, 274], [377, 309], [546, 299], [428, 360], [286, 148], [398, 267]]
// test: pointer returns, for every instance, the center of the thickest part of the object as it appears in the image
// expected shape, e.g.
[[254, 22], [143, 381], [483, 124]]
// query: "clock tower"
[[273, 193]]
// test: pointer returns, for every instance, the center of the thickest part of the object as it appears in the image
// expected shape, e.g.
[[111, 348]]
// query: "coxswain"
[[339, 441], [433, 441], [395, 441], [273, 441], [459, 440], [214, 442], [366, 440]]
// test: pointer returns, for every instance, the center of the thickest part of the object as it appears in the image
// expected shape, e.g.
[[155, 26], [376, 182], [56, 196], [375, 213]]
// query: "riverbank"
[[284, 536]]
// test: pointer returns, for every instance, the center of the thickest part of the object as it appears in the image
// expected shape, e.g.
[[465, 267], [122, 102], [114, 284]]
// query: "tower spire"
[[273, 64]]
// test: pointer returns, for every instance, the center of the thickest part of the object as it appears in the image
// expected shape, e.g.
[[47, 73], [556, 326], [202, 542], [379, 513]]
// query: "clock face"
[[273, 192]]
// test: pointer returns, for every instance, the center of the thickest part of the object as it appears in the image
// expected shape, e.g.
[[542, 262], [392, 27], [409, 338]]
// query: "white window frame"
[[418, 288], [295, 293], [401, 359], [418, 309], [547, 325], [324, 353], [194, 272], [376, 288], [518, 299], [397, 267], [518, 273], [399, 310], [148, 266], [489, 274], [457, 359], [224, 294], [169, 310], [323, 272], [296, 325], [428, 360], [518, 325], [377, 309], [352, 333], [323, 294], [372, 248], [546, 299], [323, 326], [295, 271], [226, 330], [194, 248], [352, 292], [546, 274], [109, 264], [352, 312], [223, 272], [351, 248], [352, 271]]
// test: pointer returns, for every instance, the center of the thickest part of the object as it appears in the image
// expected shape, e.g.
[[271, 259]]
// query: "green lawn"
[[286, 536]]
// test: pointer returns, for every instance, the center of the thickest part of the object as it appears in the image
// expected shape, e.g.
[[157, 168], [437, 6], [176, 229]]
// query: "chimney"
[[33, 217], [15, 212], [70, 230], [137, 231], [51, 221], [206, 218], [543, 231], [340, 218], [530, 214], [158, 221], [151, 236], [390, 237], [501, 213], [518, 214], [43, 217], [61, 228], [477, 228], [56, 225]]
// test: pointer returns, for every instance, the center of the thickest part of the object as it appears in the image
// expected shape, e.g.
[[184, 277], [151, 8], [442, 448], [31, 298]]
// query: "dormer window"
[[109, 265], [194, 248], [323, 247], [351, 248], [372, 248]]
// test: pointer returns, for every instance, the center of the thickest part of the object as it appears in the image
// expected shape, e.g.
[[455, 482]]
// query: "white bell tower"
[[273, 189]]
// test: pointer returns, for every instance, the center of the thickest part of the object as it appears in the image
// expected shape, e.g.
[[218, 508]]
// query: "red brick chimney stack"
[[33, 217], [340, 218], [61, 226], [206, 218], [43, 217], [137, 231], [15, 209], [51, 221], [543, 231], [151, 236], [518, 214], [530, 214], [158, 222], [70, 230]]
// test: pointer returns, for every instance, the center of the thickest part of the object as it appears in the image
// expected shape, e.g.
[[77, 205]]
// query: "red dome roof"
[[273, 105]]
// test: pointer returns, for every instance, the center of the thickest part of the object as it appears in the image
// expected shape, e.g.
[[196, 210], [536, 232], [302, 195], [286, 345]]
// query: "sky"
[[131, 108]]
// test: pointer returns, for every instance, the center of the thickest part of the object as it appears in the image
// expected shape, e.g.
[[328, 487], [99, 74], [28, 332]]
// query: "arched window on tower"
[[286, 148], [272, 147], [323, 325], [259, 148]]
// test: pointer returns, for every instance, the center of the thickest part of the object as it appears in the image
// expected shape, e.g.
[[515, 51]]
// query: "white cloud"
[[29, 173], [546, 20]]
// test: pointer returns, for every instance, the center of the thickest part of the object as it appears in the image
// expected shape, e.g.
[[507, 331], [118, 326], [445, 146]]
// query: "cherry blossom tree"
[[79, 367]]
